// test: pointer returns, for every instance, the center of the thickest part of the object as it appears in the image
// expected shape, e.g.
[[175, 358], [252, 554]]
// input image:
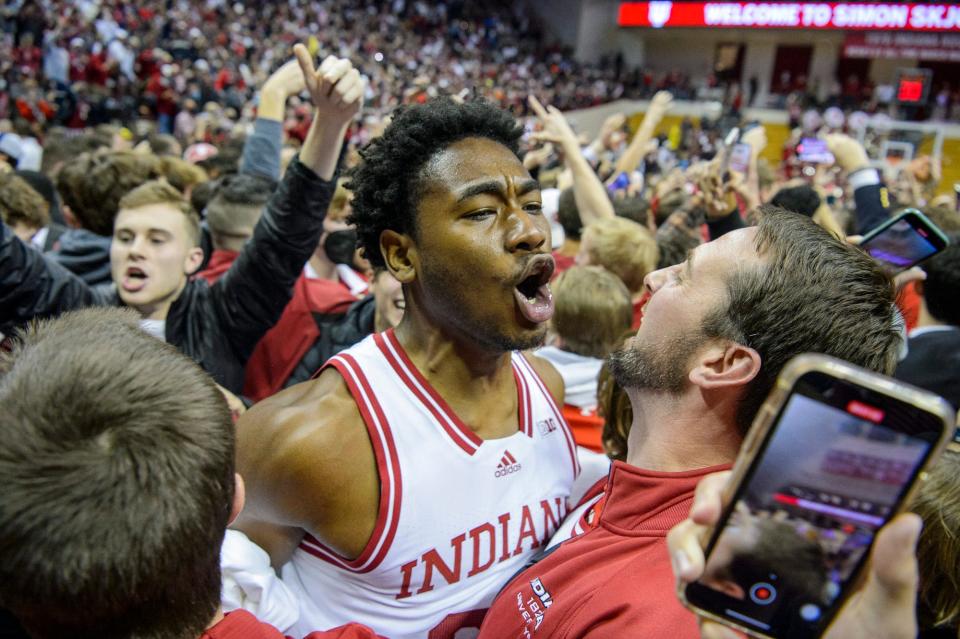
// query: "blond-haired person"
[[626, 249]]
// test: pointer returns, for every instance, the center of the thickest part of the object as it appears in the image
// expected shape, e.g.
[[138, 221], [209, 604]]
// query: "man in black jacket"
[[933, 355], [217, 325]]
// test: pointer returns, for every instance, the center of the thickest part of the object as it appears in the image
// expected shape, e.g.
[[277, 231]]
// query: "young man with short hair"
[[716, 332], [155, 249], [91, 187], [22, 208], [232, 214], [426, 464], [118, 476]]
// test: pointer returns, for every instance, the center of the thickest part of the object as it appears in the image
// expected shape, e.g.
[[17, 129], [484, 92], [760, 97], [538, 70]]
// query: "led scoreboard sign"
[[855, 16]]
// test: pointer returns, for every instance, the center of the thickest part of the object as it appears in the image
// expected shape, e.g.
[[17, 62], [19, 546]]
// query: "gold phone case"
[[794, 370]]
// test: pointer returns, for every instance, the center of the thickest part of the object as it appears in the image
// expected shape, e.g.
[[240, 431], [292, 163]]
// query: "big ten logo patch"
[[547, 425]]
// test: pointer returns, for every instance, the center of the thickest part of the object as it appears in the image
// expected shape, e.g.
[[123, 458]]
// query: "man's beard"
[[662, 368]]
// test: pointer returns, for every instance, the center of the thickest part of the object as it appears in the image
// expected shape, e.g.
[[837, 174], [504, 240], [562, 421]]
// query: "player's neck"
[[437, 353], [476, 383], [677, 434]]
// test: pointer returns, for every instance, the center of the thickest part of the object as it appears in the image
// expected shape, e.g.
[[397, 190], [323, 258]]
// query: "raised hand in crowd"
[[848, 153], [637, 149], [336, 90], [284, 83], [756, 137], [610, 125], [593, 203], [870, 195], [556, 129], [716, 194], [883, 607]]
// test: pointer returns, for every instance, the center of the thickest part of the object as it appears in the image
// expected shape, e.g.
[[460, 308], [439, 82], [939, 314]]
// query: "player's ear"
[[400, 254]]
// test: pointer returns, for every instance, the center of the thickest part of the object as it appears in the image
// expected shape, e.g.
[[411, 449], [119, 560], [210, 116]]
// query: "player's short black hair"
[[386, 184]]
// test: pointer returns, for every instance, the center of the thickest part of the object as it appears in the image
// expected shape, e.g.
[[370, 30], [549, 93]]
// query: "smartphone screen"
[[740, 157], [815, 151], [831, 472], [906, 241]]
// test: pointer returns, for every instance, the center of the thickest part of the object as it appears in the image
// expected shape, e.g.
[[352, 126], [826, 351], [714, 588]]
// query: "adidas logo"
[[508, 465]]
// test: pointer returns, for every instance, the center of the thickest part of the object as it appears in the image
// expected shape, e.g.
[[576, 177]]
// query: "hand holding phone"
[[904, 241], [740, 158], [814, 151], [886, 607], [834, 454]]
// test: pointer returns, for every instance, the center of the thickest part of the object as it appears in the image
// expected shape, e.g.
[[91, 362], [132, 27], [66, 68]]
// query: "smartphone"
[[835, 452], [814, 151], [904, 241], [724, 151], [740, 158]]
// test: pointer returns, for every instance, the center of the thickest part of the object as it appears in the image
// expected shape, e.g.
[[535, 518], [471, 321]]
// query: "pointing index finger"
[[536, 106]]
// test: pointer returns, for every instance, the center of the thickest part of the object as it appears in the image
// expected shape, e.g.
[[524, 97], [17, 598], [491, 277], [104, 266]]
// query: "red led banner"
[[854, 16]]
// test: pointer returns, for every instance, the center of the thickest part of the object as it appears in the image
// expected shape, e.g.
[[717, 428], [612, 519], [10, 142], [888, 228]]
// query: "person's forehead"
[[739, 245], [152, 216], [471, 160], [732, 249]]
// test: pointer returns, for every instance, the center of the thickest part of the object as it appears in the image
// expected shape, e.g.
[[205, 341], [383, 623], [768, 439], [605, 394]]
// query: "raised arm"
[[869, 193], [261, 151], [251, 296], [637, 148], [34, 286], [593, 203]]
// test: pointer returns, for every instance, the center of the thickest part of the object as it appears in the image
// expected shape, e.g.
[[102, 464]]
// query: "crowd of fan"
[[265, 282], [88, 63]]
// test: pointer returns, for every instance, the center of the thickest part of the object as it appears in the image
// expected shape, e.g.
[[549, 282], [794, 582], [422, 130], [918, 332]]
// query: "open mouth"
[[532, 293], [134, 279]]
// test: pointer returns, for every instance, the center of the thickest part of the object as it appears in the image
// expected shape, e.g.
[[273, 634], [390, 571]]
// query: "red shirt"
[[220, 261], [615, 580], [279, 351], [563, 262], [240, 624], [909, 302]]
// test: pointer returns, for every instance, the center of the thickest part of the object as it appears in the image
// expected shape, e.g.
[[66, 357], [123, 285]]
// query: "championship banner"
[[854, 16]]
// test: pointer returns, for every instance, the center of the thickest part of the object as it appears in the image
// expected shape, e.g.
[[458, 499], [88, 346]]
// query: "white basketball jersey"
[[458, 515]]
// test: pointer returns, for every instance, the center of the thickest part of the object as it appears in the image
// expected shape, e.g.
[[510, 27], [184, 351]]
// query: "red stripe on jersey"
[[511, 458], [571, 447], [388, 468], [459, 432], [524, 407]]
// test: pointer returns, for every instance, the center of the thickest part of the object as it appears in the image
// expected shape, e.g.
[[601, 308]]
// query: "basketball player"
[[425, 465]]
